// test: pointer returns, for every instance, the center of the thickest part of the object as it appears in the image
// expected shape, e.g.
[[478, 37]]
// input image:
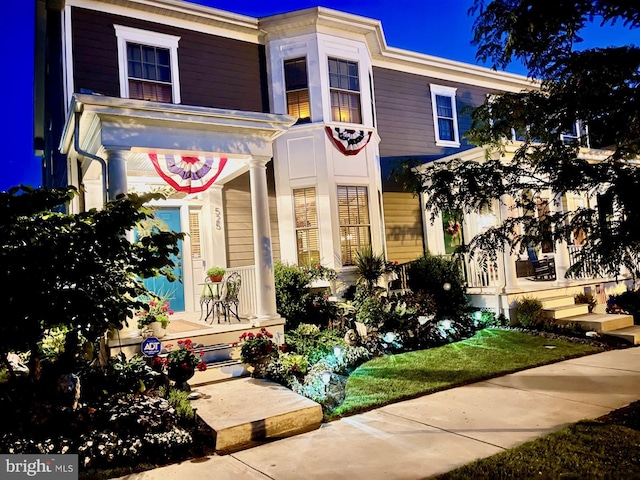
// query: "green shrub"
[[370, 311], [628, 302], [528, 312], [312, 342], [441, 278], [587, 298], [294, 299], [179, 400], [131, 376]]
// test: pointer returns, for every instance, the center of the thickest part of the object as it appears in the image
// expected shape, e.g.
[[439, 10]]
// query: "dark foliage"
[[598, 87], [78, 271], [441, 278]]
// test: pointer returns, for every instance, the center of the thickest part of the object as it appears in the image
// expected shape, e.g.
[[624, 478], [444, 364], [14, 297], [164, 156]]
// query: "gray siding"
[[405, 117], [214, 71], [238, 220]]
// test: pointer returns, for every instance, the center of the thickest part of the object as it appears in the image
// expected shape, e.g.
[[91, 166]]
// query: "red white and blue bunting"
[[188, 174], [348, 141]]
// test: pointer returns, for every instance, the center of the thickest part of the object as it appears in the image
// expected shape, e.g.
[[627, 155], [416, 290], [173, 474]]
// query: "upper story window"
[[445, 116], [148, 63], [344, 84], [297, 86], [578, 134]]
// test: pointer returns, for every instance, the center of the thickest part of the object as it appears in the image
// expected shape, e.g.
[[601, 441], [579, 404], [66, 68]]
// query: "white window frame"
[[153, 39], [317, 226], [451, 93], [347, 91]]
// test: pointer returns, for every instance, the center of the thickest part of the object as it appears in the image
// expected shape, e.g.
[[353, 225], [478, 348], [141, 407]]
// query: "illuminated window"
[[306, 215], [194, 234], [297, 86], [148, 63], [355, 226], [345, 91]]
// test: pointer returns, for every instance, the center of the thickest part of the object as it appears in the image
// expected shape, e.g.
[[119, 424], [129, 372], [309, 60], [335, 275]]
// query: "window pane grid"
[[353, 213], [297, 89], [306, 217], [149, 72], [345, 91]]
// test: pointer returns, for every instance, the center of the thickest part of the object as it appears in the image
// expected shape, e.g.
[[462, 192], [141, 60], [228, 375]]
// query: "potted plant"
[[216, 273], [181, 363], [257, 350], [155, 317]]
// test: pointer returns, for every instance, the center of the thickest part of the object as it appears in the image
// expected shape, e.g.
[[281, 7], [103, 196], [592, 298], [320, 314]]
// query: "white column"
[[510, 275], [265, 282], [116, 172], [562, 260]]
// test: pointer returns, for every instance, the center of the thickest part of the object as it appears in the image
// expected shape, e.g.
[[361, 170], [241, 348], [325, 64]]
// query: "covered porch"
[[116, 146]]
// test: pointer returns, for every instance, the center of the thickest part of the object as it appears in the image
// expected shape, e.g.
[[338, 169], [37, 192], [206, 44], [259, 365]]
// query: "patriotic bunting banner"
[[349, 142], [188, 174]]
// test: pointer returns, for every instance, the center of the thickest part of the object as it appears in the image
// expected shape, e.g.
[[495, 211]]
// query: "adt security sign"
[[151, 347]]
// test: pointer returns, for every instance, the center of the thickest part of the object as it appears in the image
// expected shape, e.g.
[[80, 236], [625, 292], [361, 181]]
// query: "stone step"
[[630, 334], [248, 411], [566, 311], [600, 322], [218, 372], [553, 302]]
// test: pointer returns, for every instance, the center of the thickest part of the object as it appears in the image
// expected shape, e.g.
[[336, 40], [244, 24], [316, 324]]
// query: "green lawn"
[[579, 451], [489, 353]]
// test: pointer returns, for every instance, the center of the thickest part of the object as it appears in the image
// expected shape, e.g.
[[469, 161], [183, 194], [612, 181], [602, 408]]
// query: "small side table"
[[210, 300]]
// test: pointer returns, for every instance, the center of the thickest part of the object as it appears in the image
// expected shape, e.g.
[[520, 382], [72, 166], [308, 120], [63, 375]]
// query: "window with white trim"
[[355, 224], [306, 215], [148, 64], [578, 134], [297, 87], [344, 83], [445, 115]]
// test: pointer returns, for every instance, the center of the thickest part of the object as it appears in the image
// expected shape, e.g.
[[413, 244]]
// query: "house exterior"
[[270, 136]]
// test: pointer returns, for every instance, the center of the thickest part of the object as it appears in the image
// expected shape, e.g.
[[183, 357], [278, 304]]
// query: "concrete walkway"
[[438, 432]]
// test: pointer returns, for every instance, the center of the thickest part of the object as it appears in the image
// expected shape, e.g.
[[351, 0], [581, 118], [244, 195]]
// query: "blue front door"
[[173, 291]]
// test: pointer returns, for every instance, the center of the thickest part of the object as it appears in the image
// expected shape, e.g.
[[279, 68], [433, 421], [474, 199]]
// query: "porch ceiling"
[[142, 126]]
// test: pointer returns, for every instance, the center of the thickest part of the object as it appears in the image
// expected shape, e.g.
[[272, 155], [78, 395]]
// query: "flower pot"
[[216, 278], [258, 367], [180, 376], [158, 330]]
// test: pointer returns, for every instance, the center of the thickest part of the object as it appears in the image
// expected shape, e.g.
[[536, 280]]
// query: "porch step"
[[218, 372], [248, 411], [558, 313], [554, 302], [600, 322], [219, 352], [630, 334]]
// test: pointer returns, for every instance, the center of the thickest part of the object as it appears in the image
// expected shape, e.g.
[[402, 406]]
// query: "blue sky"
[[435, 27]]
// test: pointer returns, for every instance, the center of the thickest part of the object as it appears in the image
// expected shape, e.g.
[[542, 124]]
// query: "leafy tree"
[[599, 87], [77, 271]]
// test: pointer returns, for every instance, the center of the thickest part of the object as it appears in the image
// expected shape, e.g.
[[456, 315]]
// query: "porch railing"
[[247, 298], [574, 255], [478, 275]]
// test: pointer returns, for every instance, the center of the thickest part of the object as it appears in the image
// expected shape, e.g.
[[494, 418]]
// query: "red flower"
[[258, 335]]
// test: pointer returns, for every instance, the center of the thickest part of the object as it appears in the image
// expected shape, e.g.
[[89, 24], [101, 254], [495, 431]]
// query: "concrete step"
[[553, 302], [630, 334], [218, 372], [566, 311], [248, 411], [600, 322]]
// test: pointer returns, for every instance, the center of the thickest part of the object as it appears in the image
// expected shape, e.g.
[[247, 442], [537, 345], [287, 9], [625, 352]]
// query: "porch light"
[[446, 286]]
